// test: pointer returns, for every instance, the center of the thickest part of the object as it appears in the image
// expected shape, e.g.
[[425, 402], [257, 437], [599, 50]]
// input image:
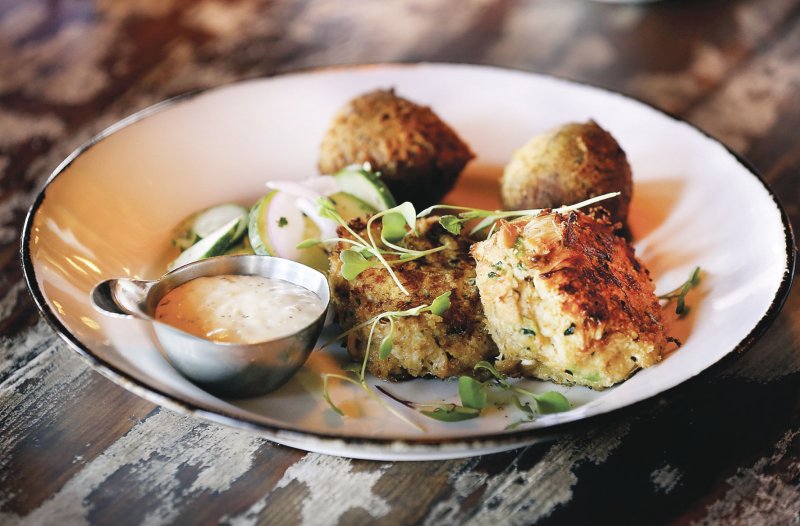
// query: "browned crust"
[[450, 345], [417, 154], [607, 286], [566, 166], [605, 280]]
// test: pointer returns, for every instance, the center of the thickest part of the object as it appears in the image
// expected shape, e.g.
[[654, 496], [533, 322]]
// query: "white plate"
[[108, 209]]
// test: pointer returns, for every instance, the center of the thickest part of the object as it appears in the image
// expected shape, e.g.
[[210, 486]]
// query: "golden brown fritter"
[[419, 156], [565, 166], [567, 300], [424, 345]]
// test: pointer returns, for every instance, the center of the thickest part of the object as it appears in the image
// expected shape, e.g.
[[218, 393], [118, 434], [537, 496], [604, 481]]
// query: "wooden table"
[[76, 448]]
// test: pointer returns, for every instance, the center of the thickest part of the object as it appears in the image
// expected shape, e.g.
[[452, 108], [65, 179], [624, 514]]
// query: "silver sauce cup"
[[234, 370]]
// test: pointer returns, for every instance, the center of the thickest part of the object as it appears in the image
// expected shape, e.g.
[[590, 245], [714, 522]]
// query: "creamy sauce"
[[239, 309]]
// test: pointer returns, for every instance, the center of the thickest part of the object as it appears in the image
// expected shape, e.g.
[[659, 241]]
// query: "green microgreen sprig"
[[454, 223], [438, 307], [679, 294], [474, 396], [396, 223]]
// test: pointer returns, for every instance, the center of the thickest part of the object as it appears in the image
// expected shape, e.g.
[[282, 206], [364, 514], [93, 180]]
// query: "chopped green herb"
[[570, 330], [492, 274], [394, 227], [453, 223], [472, 392], [528, 332], [353, 263], [394, 222], [525, 408], [474, 396], [308, 243], [593, 377], [452, 413], [352, 367], [438, 306], [498, 376], [552, 402], [386, 347], [679, 294], [282, 222]]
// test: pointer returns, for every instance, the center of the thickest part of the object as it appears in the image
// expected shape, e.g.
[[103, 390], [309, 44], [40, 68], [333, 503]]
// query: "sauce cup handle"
[[122, 298]]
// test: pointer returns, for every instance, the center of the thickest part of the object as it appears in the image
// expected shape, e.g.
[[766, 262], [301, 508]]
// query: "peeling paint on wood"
[[523, 496], [76, 449], [770, 484], [20, 350], [665, 478], [216, 457], [329, 484]]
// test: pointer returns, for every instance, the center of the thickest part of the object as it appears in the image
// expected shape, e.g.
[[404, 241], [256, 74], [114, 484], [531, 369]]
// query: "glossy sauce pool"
[[239, 309]]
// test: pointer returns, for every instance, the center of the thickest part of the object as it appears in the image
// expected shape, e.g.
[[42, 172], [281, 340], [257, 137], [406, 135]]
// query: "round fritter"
[[566, 300], [418, 155], [424, 345], [565, 166]]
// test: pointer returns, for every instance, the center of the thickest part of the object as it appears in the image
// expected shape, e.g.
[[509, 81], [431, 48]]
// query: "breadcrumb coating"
[[424, 345], [569, 164], [566, 300], [418, 155]]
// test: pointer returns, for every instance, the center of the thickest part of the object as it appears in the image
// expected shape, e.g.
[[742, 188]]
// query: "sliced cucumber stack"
[[242, 248], [350, 207], [257, 226], [275, 225], [202, 224], [213, 218], [365, 185], [214, 244]]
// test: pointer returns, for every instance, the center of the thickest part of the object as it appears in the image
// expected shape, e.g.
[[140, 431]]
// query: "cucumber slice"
[[183, 235], [257, 228], [314, 257], [241, 248], [366, 186], [202, 224], [211, 219], [350, 207], [214, 244], [277, 226]]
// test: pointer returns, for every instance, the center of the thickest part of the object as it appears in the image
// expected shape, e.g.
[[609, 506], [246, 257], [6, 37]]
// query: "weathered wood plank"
[[74, 448]]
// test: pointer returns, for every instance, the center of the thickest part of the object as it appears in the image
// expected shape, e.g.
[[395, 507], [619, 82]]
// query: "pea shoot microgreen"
[[475, 396], [396, 223], [679, 294], [437, 307], [454, 223]]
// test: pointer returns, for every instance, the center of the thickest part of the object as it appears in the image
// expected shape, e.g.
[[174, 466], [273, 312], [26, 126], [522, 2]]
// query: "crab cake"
[[424, 345], [418, 155], [566, 300], [567, 165]]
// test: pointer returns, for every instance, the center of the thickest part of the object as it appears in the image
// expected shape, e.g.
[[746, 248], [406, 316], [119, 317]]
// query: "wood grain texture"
[[76, 449]]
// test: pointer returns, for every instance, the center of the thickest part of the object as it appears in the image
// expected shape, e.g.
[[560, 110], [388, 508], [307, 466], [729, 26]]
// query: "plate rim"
[[377, 447]]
